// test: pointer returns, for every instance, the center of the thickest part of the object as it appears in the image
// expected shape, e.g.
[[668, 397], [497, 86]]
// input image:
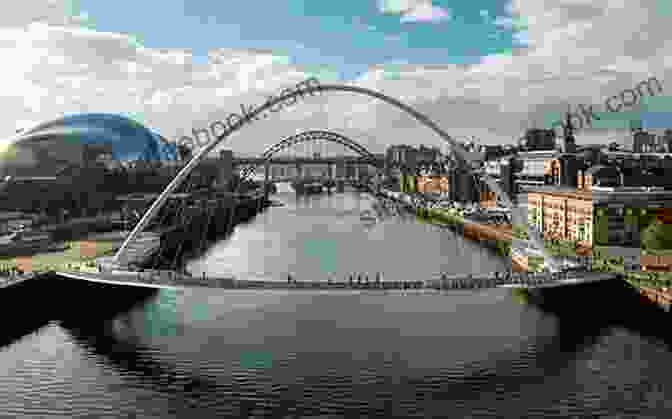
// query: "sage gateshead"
[[76, 158]]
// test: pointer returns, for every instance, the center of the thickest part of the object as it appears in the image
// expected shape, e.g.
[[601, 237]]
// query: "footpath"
[[169, 279]]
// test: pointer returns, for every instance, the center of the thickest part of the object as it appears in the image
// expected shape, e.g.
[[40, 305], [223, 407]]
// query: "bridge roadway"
[[321, 180], [172, 280]]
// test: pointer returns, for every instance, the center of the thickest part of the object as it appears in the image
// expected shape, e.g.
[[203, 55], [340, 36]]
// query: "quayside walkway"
[[172, 280]]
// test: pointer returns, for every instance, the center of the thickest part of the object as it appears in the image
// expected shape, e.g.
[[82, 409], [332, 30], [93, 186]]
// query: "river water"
[[242, 353]]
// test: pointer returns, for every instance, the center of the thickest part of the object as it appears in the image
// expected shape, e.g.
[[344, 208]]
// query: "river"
[[314, 237], [239, 353]]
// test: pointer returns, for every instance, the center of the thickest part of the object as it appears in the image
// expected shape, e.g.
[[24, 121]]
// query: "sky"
[[483, 68]]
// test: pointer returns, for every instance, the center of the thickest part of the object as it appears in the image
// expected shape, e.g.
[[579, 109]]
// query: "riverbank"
[[78, 254], [495, 238]]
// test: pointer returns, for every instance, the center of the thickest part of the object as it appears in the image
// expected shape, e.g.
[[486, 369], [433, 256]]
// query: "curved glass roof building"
[[73, 139]]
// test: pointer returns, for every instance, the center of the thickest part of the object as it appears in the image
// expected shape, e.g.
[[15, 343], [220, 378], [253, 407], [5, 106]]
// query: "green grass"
[[564, 248], [657, 252], [535, 263], [80, 252], [641, 279], [502, 247], [519, 232], [440, 216]]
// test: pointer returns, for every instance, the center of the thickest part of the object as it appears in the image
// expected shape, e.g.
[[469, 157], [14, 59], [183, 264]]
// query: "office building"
[[536, 139]]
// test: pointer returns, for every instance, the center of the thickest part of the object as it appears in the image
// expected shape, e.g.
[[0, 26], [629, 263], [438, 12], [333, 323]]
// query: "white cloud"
[[397, 6], [577, 52], [414, 10], [425, 12]]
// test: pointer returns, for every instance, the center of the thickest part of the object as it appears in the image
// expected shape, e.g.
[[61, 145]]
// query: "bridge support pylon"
[[267, 183]]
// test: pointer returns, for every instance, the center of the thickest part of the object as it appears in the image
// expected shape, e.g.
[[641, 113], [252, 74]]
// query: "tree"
[[657, 236]]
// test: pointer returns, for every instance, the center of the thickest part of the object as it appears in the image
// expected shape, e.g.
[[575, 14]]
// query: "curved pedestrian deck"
[[171, 280]]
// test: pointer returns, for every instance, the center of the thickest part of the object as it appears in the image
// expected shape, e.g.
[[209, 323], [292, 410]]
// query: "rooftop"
[[563, 191], [602, 193], [592, 170]]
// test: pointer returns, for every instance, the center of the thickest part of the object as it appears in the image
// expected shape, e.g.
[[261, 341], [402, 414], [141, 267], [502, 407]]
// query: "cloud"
[[392, 37], [413, 11], [397, 6], [425, 12], [572, 52]]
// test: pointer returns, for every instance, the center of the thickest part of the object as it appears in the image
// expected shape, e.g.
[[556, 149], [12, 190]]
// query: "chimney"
[[579, 180]]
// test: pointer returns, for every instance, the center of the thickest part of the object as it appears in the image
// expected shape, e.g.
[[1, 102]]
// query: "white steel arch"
[[516, 212]]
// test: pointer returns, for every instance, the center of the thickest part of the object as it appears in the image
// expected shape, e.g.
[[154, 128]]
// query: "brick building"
[[605, 216], [562, 214], [433, 184]]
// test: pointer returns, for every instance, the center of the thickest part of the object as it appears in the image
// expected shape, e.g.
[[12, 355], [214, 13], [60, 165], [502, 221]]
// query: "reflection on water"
[[315, 237], [106, 351], [248, 353]]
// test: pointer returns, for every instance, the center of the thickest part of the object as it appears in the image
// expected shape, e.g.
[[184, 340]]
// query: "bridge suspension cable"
[[200, 155]]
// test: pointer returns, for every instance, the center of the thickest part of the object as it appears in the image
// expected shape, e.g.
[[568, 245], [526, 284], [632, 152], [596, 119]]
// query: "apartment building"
[[562, 214], [433, 184], [598, 215]]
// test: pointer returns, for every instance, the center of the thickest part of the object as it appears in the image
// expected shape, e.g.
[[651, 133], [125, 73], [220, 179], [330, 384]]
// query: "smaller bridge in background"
[[285, 160], [278, 162]]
